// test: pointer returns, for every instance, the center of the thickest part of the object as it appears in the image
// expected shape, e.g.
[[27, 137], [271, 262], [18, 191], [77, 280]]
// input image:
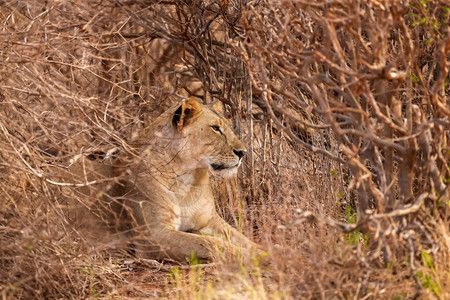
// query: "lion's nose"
[[239, 153]]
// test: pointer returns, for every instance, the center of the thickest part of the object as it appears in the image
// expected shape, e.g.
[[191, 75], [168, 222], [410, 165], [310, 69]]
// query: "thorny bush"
[[343, 106]]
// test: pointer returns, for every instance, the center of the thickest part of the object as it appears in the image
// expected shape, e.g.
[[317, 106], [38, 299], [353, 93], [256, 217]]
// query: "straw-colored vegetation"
[[342, 105]]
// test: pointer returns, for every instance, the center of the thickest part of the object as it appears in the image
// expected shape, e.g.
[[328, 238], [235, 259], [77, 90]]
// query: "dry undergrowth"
[[343, 106]]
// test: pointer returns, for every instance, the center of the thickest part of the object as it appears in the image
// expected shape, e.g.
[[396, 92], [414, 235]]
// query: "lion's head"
[[196, 136]]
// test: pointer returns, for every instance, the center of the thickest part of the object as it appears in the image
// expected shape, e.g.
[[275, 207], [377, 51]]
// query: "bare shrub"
[[343, 106], [370, 78]]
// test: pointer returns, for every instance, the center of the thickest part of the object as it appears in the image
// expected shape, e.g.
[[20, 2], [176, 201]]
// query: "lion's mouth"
[[219, 167]]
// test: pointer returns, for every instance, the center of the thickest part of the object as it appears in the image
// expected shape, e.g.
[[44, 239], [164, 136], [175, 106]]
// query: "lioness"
[[168, 193]]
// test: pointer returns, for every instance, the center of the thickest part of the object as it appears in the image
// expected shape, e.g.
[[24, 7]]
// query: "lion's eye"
[[216, 128]]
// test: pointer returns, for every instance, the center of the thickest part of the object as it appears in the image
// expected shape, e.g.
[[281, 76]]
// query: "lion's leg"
[[157, 239], [178, 245], [218, 226]]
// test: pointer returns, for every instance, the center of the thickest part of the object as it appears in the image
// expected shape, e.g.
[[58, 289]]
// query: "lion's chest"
[[191, 211]]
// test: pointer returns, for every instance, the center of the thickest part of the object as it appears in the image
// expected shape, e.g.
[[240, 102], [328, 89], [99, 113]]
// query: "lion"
[[167, 191]]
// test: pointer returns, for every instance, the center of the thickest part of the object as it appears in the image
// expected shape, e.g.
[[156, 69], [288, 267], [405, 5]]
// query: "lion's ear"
[[187, 112], [218, 107]]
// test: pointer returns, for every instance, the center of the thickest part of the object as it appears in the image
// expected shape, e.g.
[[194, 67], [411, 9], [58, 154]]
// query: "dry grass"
[[343, 106]]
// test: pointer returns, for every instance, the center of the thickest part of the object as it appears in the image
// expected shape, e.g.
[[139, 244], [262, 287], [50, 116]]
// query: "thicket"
[[343, 106]]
